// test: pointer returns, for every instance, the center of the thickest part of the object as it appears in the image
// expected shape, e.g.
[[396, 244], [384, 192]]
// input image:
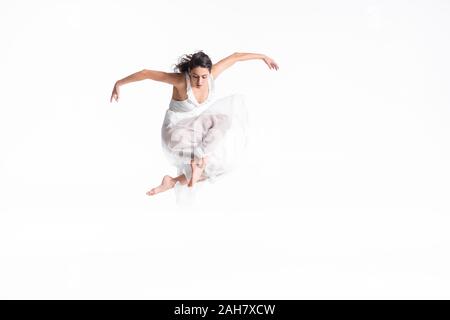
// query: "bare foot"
[[167, 183], [197, 171]]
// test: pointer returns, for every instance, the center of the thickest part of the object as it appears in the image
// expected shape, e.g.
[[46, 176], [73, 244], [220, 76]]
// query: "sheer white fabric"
[[216, 128]]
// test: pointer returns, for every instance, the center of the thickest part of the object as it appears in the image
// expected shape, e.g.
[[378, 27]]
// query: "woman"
[[199, 133]]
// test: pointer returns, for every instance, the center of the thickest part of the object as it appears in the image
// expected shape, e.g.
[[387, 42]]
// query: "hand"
[[115, 93], [270, 62]]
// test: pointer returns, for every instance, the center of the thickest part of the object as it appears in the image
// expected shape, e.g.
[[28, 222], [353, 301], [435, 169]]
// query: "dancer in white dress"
[[201, 136]]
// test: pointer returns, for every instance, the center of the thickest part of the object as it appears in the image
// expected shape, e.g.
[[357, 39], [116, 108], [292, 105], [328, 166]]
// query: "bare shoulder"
[[178, 79]]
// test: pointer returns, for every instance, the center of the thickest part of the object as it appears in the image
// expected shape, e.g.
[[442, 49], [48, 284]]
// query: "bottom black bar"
[[223, 309]]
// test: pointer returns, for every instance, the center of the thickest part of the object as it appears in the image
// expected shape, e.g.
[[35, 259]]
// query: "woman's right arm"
[[170, 78], [137, 76]]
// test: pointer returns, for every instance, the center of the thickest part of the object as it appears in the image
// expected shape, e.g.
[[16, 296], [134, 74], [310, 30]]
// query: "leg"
[[167, 183], [197, 170], [214, 128], [218, 126]]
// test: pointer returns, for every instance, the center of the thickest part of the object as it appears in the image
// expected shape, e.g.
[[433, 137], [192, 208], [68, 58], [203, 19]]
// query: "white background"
[[344, 193]]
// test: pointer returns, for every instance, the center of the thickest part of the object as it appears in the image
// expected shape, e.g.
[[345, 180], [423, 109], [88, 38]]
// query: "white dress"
[[216, 128]]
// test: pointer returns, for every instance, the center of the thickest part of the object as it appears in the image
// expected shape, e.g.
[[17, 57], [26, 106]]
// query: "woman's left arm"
[[248, 56]]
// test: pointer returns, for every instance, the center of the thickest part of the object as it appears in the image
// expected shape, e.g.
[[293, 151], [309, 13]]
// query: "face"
[[199, 76]]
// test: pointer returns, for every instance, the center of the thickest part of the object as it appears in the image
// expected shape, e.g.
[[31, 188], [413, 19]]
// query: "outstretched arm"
[[248, 56], [170, 78], [227, 62], [167, 77], [137, 76]]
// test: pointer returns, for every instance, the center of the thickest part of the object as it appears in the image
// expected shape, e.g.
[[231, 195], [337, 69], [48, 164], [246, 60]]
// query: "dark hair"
[[191, 61]]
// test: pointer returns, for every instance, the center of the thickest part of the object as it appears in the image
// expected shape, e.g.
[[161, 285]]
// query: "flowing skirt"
[[218, 131]]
